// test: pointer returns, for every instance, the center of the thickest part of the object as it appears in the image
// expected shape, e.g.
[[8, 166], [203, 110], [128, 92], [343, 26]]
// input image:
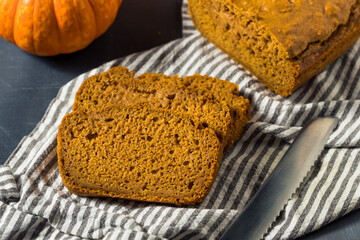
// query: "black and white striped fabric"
[[34, 204]]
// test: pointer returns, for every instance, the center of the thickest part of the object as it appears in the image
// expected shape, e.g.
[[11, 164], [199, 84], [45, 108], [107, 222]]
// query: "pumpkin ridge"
[[13, 22], [96, 24], [78, 21], [57, 30], [33, 27], [23, 33], [61, 39]]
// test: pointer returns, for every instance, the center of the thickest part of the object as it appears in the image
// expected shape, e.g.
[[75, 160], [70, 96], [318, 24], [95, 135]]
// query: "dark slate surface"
[[28, 83]]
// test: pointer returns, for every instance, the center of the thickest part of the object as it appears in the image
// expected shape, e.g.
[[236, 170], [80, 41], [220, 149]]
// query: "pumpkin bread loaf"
[[138, 153], [283, 43], [216, 103]]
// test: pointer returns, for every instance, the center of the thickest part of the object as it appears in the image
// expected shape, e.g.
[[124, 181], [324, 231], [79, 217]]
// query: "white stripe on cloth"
[[8, 187]]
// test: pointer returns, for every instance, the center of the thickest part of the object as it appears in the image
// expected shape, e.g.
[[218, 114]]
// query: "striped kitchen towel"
[[34, 204]]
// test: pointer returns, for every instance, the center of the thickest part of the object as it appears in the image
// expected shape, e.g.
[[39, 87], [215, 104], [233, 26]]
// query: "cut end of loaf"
[[138, 153]]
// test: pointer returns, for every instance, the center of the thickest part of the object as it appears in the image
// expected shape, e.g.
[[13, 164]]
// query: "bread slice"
[[214, 101], [138, 153], [283, 43]]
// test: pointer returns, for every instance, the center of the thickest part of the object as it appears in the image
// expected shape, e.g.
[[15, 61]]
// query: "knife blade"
[[261, 211]]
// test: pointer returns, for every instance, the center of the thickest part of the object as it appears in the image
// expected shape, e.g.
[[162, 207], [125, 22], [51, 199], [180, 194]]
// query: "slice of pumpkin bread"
[[211, 112], [138, 153], [208, 98]]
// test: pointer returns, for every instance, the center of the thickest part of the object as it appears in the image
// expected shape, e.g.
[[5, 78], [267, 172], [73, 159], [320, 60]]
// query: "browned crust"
[[313, 61]]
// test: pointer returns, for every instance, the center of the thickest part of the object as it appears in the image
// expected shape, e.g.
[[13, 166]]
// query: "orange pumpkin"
[[51, 27]]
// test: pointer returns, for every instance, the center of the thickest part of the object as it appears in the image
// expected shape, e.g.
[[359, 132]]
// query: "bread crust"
[[317, 57]]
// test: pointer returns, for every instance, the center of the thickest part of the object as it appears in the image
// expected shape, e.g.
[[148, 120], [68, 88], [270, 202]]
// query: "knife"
[[261, 211]]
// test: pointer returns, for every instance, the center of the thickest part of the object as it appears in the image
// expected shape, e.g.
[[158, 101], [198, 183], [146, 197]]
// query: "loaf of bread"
[[215, 102], [138, 153], [283, 43]]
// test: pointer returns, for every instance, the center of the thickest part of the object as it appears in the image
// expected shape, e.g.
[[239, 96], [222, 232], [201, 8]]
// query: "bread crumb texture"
[[152, 138]]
